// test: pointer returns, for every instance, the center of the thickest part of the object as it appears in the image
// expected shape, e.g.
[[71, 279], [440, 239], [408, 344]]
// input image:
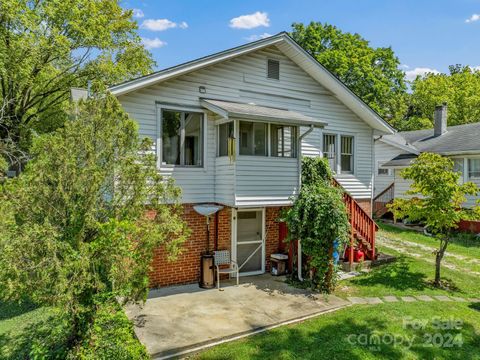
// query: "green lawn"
[[341, 335], [24, 327], [346, 335]]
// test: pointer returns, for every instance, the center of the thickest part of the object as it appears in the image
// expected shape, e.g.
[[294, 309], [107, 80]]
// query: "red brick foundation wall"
[[365, 204], [186, 268]]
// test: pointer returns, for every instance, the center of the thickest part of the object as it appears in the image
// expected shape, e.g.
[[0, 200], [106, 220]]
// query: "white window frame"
[[469, 177], [294, 142], [338, 155], [159, 143], [236, 129], [380, 166]]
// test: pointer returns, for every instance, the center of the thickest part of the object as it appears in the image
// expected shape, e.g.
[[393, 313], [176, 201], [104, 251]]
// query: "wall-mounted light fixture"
[[202, 89]]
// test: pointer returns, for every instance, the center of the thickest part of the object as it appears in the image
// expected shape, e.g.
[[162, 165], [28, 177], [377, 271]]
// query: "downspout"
[[300, 138]]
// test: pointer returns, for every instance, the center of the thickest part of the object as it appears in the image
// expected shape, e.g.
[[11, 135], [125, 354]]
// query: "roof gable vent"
[[273, 69]]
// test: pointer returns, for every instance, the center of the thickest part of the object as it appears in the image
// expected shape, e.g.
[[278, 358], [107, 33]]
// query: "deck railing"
[[381, 201], [362, 225]]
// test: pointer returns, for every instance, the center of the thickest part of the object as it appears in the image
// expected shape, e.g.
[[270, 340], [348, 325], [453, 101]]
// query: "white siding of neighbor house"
[[384, 153], [402, 185], [243, 79]]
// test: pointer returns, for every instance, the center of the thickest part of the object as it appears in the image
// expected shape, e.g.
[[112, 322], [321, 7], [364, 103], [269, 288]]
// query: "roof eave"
[[136, 84]]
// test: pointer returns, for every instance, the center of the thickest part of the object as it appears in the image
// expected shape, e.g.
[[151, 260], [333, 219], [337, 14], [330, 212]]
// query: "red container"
[[358, 255]]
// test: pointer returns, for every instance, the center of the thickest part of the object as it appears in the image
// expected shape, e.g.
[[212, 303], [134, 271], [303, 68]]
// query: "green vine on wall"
[[318, 218]]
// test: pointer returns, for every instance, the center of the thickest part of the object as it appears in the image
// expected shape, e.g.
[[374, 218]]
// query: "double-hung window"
[[339, 150], [182, 138], [346, 154], [283, 139], [474, 168]]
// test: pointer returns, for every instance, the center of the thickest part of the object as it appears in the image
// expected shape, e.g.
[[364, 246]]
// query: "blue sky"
[[423, 34]]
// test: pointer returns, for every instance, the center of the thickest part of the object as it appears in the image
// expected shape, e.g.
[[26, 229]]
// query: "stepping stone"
[[408, 298], [442, 298], [424, 298], [374, 300], [390, 298], [458, 299], [473, 300], [357, 300]]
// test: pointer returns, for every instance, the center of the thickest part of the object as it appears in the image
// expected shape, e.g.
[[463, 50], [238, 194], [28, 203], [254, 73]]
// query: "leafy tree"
[[371, 73], [437, 200], [460, 90], [75, 230], [318, 218], [49, 46]]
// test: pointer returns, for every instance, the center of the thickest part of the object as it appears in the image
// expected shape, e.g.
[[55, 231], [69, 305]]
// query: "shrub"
[[318, 218], [111, 336]]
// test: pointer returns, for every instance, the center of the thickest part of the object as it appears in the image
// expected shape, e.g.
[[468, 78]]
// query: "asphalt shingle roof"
[[457, 140]]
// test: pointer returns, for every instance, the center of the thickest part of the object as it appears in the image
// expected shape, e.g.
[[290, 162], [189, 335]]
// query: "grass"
[[26, 330], [341, 335], [413, 272]]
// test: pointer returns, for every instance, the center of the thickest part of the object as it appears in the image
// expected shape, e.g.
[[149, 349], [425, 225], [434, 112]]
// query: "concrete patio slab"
[[179, 320]]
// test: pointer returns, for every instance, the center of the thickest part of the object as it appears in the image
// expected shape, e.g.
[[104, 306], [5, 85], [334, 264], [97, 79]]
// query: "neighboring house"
[[395, 152], [231, 128]]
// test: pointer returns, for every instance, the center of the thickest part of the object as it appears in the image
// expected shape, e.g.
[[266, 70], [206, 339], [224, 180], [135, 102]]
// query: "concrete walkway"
[[390, 298], [179, 320]]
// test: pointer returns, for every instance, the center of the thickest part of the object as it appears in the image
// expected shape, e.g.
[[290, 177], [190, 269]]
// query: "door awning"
[[228, 110]]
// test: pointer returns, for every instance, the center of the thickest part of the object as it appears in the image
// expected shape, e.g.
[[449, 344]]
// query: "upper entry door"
[[250, 242]]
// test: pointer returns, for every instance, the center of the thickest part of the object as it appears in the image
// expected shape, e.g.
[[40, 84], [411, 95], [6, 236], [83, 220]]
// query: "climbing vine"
[[318, 218]]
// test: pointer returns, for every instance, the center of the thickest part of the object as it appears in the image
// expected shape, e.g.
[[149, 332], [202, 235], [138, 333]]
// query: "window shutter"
[[273, 69]]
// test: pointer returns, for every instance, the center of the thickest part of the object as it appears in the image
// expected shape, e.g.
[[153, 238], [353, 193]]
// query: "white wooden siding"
[[243, 79], [384, 153], [265, 180]]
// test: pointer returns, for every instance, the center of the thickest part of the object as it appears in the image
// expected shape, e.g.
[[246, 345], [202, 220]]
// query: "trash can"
[[278, 264], [207, 273]]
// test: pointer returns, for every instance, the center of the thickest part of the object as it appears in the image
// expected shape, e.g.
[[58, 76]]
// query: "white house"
[[231, 129], [395, 152]]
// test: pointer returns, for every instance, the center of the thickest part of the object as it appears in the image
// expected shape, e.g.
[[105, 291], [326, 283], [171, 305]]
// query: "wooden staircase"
[[362, 227], [381, 201]]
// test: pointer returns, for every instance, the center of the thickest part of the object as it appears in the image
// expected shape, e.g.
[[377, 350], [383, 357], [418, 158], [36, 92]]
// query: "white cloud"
[[404, 66], [250, 21], [412, 74], [154, 43], [256, 37], [162, 24], [473, 18], [138, 13], [475, 68]]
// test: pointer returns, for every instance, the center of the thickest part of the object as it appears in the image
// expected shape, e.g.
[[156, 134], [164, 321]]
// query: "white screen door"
[[250, 242]]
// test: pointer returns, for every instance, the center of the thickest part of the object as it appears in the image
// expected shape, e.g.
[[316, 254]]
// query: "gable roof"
[[458, 140], [288, 46]]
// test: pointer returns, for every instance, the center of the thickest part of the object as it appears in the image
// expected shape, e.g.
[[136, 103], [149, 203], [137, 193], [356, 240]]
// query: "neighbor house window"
[[474, 168], [330, 150], [283, 140], [225, 131], [383, 171], [253, 138], [182, 139], [458, 165], [346, 154]]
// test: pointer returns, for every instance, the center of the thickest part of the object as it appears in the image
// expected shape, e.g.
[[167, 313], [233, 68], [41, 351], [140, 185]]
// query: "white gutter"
[[300, 138]]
